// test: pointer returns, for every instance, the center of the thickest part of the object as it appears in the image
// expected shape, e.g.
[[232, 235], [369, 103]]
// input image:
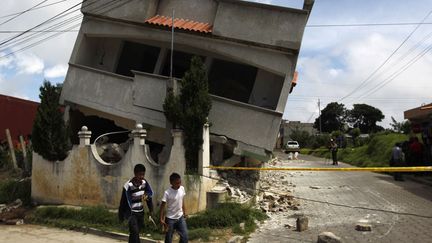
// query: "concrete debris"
[[14, 205], [235, 239], [14, 222], [289, 226], [302, 223], [279, 201], [363, 227], [328, 237]]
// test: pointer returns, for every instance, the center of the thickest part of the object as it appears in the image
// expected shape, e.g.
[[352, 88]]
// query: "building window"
[[181, 63], [232, 80], [137, 57]]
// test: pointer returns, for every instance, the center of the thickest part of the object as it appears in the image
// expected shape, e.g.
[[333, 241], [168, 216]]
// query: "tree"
[[50, 134], [355, 133], [401, 127], [302, 137], [365, 118], [190, 109], [333, 118]]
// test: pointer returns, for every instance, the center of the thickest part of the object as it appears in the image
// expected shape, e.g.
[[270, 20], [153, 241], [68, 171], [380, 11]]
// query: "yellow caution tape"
[[368, 169]]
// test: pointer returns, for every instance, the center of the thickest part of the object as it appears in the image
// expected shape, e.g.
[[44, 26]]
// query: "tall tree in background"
[[190, 109], [365, 118], [401, 127], [333, 118], [50, 135]]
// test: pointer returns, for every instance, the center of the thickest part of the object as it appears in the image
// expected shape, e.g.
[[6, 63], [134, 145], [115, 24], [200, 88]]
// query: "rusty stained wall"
[[83, 181], [75, 181]]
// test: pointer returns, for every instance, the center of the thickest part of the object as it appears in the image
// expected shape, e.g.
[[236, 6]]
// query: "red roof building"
[[17, 115]]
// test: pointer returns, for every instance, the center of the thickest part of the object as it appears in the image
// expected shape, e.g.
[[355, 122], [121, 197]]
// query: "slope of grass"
[[376, 153]]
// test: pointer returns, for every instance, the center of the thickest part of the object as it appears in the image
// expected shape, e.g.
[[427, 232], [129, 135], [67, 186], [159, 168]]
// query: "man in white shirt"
[[176, 213]]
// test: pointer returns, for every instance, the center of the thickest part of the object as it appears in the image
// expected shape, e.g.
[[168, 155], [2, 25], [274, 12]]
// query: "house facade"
[[120, 67]]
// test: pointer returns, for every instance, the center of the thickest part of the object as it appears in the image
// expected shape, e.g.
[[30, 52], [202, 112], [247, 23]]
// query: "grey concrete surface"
[[337, 201], [40, 234]]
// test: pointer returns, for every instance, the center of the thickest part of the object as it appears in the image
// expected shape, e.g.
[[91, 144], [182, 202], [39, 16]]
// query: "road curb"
[[113, 235]]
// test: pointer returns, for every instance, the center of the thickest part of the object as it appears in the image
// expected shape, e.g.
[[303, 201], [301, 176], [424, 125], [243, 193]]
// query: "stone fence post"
[[84, 137], [204, 153], [139, 135]]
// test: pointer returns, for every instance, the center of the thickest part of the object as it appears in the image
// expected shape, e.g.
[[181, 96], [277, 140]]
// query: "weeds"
[[12, 189]]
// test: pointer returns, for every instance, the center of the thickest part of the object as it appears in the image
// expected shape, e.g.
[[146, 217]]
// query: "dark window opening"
[[232, 80], [97, 126], [137, 57], [155, 150], [181, 63]]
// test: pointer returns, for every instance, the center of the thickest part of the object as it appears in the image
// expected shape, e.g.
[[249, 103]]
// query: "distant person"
[[397, 160], [174, 219], [135, 192], [416, 151], [334, 149]]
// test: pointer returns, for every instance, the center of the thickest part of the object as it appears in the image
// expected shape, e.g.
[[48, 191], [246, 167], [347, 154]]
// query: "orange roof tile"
[[183, 24]]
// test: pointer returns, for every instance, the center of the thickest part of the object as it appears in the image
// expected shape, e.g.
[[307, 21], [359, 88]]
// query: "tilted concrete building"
[[120, 65]]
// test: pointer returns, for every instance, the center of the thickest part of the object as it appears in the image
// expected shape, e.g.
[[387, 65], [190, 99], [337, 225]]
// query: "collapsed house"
[[119, 72]]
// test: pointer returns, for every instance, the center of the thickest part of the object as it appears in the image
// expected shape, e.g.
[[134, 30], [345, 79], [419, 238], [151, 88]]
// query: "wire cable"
[[56, 34], [47, 5], [19, 14], [327, 202], [388, 58]]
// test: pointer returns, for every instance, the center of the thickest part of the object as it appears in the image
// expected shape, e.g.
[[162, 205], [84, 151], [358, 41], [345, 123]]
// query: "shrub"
[[50, 134], [10, 190], [225, 215]]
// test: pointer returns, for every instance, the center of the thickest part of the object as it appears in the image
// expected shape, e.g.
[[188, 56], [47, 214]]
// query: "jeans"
[[136, 223], [180, 226]]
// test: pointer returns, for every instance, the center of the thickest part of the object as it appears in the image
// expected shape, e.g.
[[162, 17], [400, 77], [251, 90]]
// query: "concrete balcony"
[[140, 99]]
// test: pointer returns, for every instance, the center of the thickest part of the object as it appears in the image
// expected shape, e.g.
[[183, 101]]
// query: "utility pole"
[[319, 108]]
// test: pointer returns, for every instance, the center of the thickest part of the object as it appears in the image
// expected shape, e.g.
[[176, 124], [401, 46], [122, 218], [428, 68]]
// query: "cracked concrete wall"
[[84, 179]]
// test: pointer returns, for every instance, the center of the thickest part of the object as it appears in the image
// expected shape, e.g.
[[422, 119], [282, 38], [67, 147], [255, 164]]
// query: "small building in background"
[[18, 116]]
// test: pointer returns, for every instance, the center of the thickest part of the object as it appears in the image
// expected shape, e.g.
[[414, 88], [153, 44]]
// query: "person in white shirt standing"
[[175, 210]]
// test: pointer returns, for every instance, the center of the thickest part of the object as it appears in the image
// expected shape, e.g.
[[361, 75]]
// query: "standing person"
[[397, 160], [333, 149], [135, 192], [173, 199], [416, 150]]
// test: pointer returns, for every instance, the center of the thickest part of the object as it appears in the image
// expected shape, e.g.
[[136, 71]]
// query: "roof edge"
[[266, 6]]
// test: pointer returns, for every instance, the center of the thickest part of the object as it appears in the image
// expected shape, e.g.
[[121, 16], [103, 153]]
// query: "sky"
[[386, 66]]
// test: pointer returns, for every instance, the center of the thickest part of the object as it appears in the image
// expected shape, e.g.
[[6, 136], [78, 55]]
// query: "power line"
[[47, 5], [396, 74], [326, 202], [56, 34], [388, 58], [36, 31], [25, 11], [38, 25], [364, 24]]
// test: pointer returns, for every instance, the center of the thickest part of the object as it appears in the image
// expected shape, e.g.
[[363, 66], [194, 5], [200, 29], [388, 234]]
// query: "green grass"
[[88, 217], [226, 216], [376, 153]]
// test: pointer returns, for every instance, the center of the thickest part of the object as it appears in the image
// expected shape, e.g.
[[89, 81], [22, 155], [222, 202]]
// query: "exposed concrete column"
[[139, 135], [84, 136], [204, 153], [284, 92]]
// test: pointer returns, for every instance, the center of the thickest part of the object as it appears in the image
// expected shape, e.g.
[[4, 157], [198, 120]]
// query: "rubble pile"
[[276, 191], [12, 213]]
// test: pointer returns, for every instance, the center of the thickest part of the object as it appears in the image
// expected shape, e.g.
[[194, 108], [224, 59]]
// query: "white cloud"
[[56, 72], [29, 63], [5, 61]]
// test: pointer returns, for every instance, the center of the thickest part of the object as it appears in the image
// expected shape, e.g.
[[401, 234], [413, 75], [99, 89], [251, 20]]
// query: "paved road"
[[40, 234], [352, 189]]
